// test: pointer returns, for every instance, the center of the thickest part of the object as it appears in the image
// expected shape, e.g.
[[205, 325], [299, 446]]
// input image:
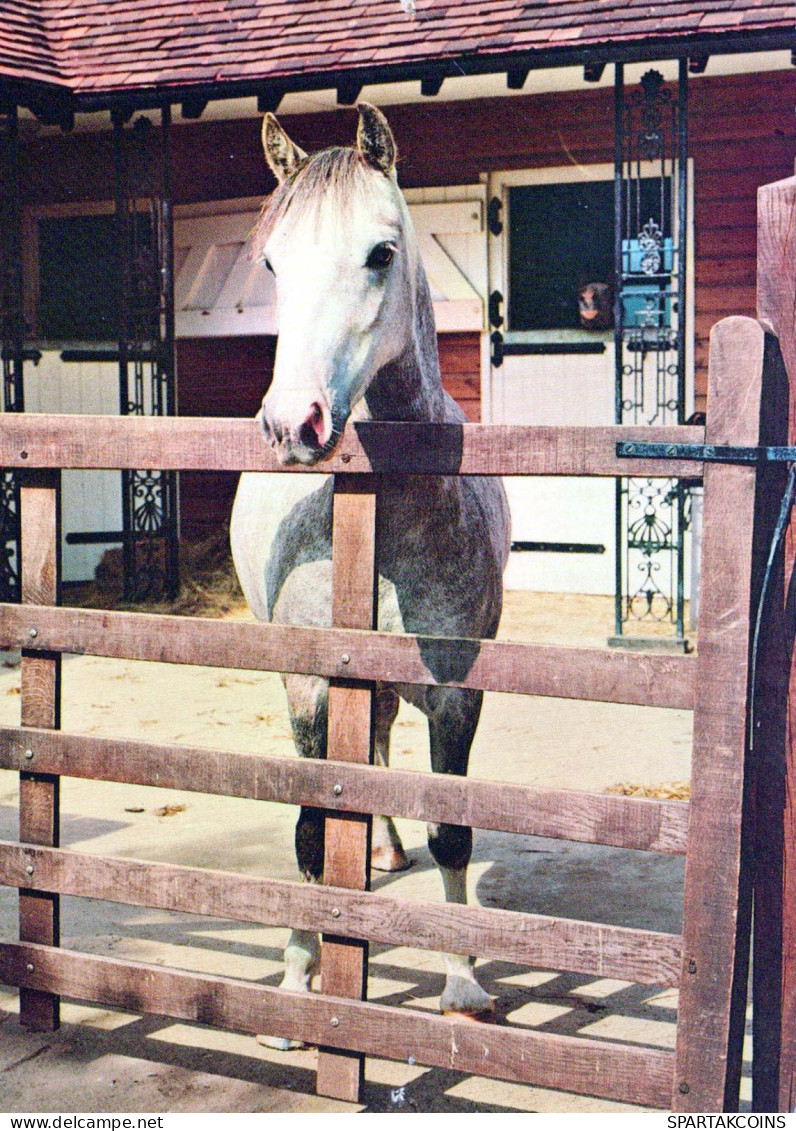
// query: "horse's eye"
[[267, 263], [380, 257]]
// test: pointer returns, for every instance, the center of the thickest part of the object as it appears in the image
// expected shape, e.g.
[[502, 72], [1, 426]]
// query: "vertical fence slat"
[[774, 983], [717, 882], [39, 794], [350, 739]]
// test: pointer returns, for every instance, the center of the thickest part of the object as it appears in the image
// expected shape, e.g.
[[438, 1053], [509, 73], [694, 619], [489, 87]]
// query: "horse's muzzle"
[[307, 443]]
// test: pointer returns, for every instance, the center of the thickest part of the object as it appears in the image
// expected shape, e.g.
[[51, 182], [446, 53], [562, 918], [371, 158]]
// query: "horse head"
[[336, 234]]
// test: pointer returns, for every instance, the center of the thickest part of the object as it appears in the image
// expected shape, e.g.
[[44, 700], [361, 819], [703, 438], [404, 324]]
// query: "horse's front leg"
[[387, 853], [308, 703], [452, 720]]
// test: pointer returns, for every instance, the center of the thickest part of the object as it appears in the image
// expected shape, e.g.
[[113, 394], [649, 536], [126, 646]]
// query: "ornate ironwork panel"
[[12, 330], [650, 312], [146, 347]]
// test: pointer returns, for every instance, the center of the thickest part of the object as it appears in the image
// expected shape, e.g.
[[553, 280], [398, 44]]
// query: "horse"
[[596, 306], [357, 341]]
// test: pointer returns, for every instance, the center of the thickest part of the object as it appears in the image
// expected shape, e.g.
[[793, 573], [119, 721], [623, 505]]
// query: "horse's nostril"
[[312, 432], [308, 436]]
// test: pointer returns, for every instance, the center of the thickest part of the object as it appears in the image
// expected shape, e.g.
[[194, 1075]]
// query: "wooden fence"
[[708, 961]]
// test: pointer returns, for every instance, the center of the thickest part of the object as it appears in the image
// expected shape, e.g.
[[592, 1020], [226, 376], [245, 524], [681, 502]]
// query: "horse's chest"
[[434, 555]]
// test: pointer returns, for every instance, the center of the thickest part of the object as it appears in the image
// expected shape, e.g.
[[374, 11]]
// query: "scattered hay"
[[170, 810], [209, 585], [666, 791]]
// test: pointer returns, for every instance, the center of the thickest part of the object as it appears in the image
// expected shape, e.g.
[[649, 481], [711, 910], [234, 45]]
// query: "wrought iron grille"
[[650, 232], [12, 329], [146, 347]]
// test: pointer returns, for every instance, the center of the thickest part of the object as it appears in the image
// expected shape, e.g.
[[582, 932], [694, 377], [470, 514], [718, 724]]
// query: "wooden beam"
[[600, 1068], [54, 111], [698, 64], [609, 676], [645, 957], [768, 768], [348, 91], [268, 100], [28, 440], [193, 108], [431, 85], [717, 883], [344, 960], [595, 818], [39, 794], [774, 979], [516, 76]]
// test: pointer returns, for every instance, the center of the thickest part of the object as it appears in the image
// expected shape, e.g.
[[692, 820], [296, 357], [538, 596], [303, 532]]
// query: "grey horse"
[[357, 342]]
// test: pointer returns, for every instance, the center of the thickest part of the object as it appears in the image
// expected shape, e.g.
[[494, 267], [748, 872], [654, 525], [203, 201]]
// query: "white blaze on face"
[[345, 309]]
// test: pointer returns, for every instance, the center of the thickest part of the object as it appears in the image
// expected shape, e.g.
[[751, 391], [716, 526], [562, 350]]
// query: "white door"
[[218, 291], [550, 232], [90, 500]]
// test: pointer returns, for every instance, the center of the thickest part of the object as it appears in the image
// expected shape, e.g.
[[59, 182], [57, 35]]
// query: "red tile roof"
[[102, 46], [25, 50]]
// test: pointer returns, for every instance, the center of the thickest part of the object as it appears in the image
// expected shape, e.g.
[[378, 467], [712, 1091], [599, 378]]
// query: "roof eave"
[[28, 91]]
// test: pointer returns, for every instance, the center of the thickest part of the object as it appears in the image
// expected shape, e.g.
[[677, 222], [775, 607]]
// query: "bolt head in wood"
[[684, 1089], [335, 912], [345, 658], [28, 754], [335, 1021], [337, 790], [34, 632], [29, 869], [30, 967]]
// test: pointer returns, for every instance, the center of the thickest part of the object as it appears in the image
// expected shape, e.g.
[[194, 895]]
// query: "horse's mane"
[[335, 175]]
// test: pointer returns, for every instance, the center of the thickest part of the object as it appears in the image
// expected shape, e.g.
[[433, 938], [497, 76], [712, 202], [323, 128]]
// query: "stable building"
[[583, 181]]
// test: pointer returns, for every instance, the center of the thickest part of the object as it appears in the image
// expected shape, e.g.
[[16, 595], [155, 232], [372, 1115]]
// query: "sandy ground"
[[102, 1060]]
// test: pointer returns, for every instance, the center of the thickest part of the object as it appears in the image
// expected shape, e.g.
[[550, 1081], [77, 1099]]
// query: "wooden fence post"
[[774, 993], [39, 794], [350, 739], [718, 879]]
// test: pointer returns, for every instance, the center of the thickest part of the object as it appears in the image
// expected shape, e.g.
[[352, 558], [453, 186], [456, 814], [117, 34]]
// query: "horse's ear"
[[282, 154], [374, 138]]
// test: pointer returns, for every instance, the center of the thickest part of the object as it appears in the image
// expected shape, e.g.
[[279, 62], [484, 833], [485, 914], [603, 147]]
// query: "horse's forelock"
[[336, 176]]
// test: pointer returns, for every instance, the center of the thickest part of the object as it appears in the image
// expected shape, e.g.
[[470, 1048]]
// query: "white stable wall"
[[91, 500]]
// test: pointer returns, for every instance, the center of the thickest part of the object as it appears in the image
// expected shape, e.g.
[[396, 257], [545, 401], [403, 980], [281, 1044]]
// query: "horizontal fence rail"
[[642, 679], [220, 444], [645, 957], [600, 1068], [621, 822]]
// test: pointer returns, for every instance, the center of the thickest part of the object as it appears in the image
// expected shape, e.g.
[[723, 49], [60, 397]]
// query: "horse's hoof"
[[281, 1044], [389, 859], [466, 999], [485, 1017]]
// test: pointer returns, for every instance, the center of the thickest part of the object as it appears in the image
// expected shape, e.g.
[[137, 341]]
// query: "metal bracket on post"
[[706, 453]]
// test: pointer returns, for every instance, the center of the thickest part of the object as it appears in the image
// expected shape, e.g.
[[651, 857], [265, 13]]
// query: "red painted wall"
[[218, 377], [741, 135]]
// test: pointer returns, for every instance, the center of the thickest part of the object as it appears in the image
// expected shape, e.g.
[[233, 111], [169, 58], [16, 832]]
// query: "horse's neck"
[[410, 387]]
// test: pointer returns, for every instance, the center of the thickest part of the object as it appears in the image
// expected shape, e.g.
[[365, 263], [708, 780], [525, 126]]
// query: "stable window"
[[79, 289], [77, 274], [561, 237]]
